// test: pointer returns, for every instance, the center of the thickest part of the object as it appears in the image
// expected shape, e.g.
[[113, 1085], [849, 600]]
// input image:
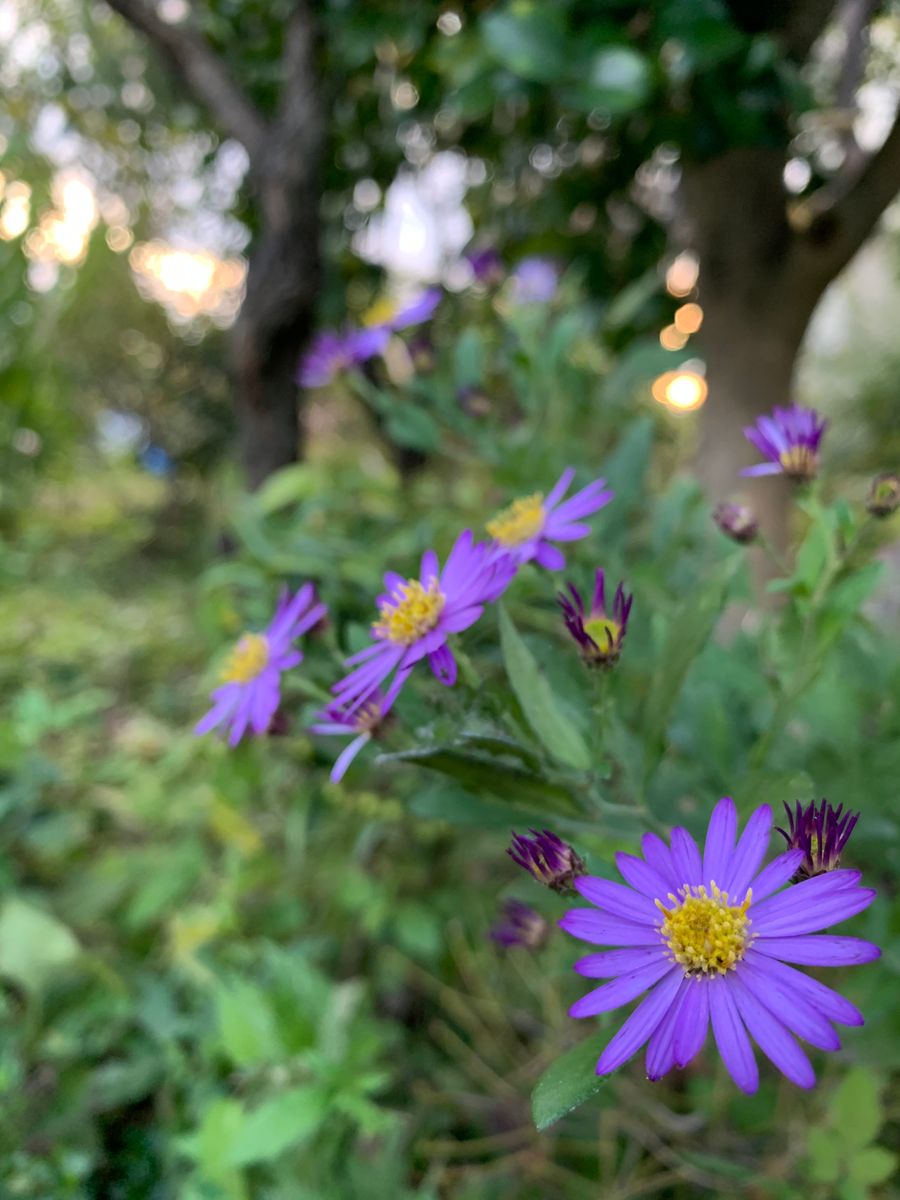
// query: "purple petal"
[[692, 1023], [559, 488], [549, 557], [776, 874], [720, 842], [346, 757], [763, 469], [443, 664], [617, 900], [592, 926], [569, 532], [642, 877], [659, 857], [749, 853], [607, 964], [811, 905], [622, 990], [818, 950], [786, 1006], [731, 1036], [830, 1004], [430, 568], [661, 1047], [686, 857], [641, 1024], [455, 622], [772, 1037]]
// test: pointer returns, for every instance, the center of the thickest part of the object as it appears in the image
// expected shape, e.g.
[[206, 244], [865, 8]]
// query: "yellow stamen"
[[604, 632], [800, 462], [705, 933], [521, 520], [411, 612], [247, 660], [380, 313], [368, 717]]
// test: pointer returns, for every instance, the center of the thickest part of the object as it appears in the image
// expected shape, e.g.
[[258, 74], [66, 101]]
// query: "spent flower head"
[[737, 521], [520, 925], [884, 495], [790, 440], [547, 858], [251, 679], [711, 936], [598, 632], [527, 528], [821, 832]]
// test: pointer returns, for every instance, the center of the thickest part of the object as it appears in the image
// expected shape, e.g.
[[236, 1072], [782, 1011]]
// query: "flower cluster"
[[711, 938], [416, 618]]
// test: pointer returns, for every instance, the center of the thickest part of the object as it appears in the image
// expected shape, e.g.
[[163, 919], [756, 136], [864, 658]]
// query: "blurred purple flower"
[[535, 280], [599, 634], [361, 723], [789, 439], [487, 265], [332, 352], [525, 528], [520, 925], [251, 680]]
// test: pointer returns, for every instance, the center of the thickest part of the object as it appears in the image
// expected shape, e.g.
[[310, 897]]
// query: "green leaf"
[[847, 596], [408, 425], [568, 1082], [528, 39], [33, 945], [825, 1155], [617, 79], [538, 702], [277, 1124], [247, 1025], [855, 1107], [485, 773], [445, 802], [287, 486], [872, 1165]]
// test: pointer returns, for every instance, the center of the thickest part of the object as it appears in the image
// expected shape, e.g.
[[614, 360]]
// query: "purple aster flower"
[[884, 495], [526, 527], [332, 352], [361, 723], [711, 936], [821, 832], [386, 315], [548, 858], [416, 616], [251, 680], [520, 925], [486, 264], [737, 521], [535, 280], [789, 439], [598, 633]]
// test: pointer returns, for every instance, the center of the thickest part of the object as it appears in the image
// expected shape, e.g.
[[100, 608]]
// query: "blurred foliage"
[[225, 977]]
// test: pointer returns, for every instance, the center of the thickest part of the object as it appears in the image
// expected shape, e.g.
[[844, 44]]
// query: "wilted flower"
[[821, 832], [712, 940], [548, 858], [251, 681], [884, 495], [789, 439], [737, 521], [361, 723], [525, 528], [535, 280], [332, 352], [520, 925], [416, 616], [599, 634], [486, 264]]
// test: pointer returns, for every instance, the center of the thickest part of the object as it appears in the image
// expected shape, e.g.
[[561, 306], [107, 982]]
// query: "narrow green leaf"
[[276, 1124], [567, 1083], [538, 702]]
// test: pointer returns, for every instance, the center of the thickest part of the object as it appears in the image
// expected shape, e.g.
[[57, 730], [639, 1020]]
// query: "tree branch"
[[201, 70]]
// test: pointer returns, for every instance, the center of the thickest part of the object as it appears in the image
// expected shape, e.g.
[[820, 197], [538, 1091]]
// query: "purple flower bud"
[[737, 521], [821, 832], [599, 634], [520, 925], [548, 858]]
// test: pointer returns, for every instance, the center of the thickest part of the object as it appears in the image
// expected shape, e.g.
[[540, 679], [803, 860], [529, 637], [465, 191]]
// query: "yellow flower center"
[[380, 313], [604, 632], [368, 717], [247, 660], [705, 933], [800, 462], [410, 612], [520, 521]]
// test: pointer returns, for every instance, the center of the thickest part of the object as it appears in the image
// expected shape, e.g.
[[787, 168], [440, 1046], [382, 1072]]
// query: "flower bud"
[[737, 521], [884, 495], [547, 858]]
